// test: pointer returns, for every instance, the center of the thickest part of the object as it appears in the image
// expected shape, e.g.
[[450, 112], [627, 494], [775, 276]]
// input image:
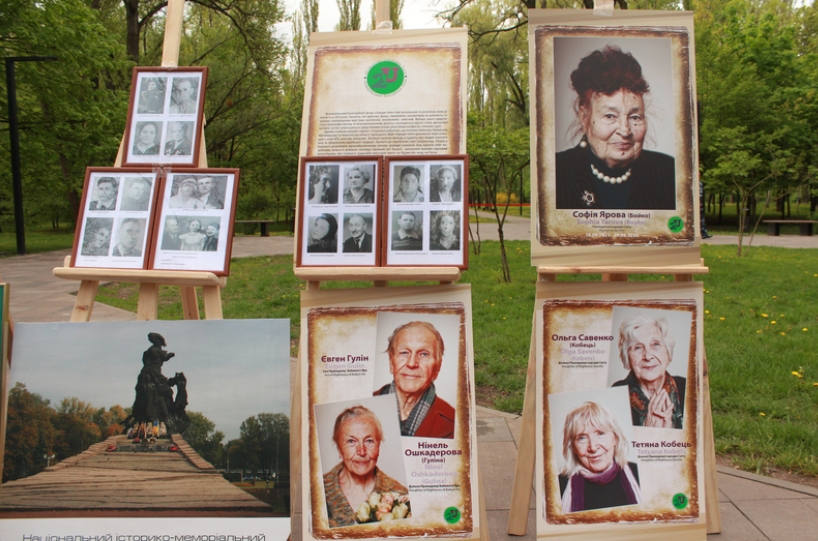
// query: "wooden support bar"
[[380, 283], [614, 277], [376, 274], [311, 285], [678, 269], [190, 303], [683, 277], [526, 448], [711, 489], [174, 15], [548, 277], [84, 304], [382, 12], [212, 302], [147, 308]]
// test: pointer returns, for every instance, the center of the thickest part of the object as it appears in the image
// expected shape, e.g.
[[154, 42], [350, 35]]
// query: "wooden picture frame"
[[426, 244], [206, 196], [328, 200], [116, 213], [171, 101]]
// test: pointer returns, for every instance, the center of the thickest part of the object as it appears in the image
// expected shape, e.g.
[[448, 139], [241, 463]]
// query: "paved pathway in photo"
[[754, 508]]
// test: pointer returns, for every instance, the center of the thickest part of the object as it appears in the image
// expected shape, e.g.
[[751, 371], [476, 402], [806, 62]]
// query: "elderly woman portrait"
[[194, 239], [646, 348], [356, 191], [445, 230], [323, 185], [323, 234], [597, 473], [609, 167], [358, 436], [445, 185], [409, 189], [147, 139]]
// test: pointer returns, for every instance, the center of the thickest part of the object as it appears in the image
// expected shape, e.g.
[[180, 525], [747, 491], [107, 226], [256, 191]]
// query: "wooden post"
[[174, 16], [148, 307], [190, 303], [382, 12], [84, 304]]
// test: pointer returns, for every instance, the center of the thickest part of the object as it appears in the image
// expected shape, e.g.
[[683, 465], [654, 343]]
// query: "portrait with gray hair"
[[646, 344]]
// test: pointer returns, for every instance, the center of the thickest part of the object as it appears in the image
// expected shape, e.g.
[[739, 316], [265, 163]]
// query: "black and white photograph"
[[117, 209], [358, 233], [194, 230], [652, 361], [165, 116], [614, 123], [152, 95], [178, 138], [148, 426], [428, 211], [104, 193], [339, 211]]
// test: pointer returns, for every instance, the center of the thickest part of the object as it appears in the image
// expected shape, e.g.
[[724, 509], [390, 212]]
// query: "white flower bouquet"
[[383, 507]]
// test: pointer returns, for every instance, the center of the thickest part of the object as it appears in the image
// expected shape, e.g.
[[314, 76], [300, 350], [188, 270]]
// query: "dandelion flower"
[[707, 311], [804, 329], [762, 413], [794, 373], [772, 322], [783, 334], [721, 318], [758, 330], [763, 315]]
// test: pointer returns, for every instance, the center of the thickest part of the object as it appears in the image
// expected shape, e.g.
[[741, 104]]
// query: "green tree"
[[29, 434], [202, 436], [350, 15]]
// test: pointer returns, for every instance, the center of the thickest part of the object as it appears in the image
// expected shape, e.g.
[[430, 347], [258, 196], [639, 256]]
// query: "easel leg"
[[212, 302], [524, 469], [711, 489], [148, 307], [190, 304], [85, 301]]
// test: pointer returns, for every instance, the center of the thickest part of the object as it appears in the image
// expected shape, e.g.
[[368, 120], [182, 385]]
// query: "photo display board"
[[340, 211], [368, 357], [196, 214], [619, 409], [115, 218], [165, 116], [614, 155], [427, 211], [92, 479]]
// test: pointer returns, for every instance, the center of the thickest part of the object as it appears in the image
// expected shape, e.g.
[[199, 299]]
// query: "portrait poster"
[[87, 474], [614, 170], [196, 214], [619, 409], [425, 464], [426, 218], [115, 218], [340, 217], [165, 116]]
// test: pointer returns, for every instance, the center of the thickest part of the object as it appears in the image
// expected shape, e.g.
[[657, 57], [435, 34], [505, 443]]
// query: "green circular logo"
[[452, 515], [385, 77], [675, 224], [680, 501]]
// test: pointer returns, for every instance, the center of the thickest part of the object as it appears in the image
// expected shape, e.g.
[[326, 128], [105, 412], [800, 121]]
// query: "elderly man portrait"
[[170, 237], [106, 195], [359, 240], [211, 243], [358, 436], [406, 237], [128, 236], [646, 349], [209, 194], [415, 356], [183, 97]]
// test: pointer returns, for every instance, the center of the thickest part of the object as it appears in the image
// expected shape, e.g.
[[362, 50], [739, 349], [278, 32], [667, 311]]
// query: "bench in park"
[[265, 231], [805, 227]]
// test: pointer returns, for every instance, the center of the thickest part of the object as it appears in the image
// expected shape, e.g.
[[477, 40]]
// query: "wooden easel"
[[526, 456], [149, 281]]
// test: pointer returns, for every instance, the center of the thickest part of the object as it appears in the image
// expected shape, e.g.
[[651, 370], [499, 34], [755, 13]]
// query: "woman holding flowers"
[[356, 490]]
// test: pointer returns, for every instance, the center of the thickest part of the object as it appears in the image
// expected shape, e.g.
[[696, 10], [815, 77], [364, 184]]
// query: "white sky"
[[416, 14]]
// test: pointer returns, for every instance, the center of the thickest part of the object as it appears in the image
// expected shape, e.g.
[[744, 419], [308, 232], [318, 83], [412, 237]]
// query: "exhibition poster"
[[613, 139], [388, 424], [619, 407]]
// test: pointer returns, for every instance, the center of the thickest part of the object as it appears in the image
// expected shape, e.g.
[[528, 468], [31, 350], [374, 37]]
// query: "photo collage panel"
[[165, 118], [340, 212], [112, 231]]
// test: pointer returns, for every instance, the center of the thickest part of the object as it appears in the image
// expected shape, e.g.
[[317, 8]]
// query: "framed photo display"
[[194, 228], [614, 158], [340, 211], [426, 211], [115, 216], [165, 116]]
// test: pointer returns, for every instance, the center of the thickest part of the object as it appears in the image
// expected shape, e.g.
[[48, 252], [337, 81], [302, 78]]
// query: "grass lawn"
[[38, 239], [760, 327]]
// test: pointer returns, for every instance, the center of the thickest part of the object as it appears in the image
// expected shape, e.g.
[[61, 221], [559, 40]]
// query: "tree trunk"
[[132, 27]]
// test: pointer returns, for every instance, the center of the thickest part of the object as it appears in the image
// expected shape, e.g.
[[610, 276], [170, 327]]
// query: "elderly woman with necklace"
[[609, 168]]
